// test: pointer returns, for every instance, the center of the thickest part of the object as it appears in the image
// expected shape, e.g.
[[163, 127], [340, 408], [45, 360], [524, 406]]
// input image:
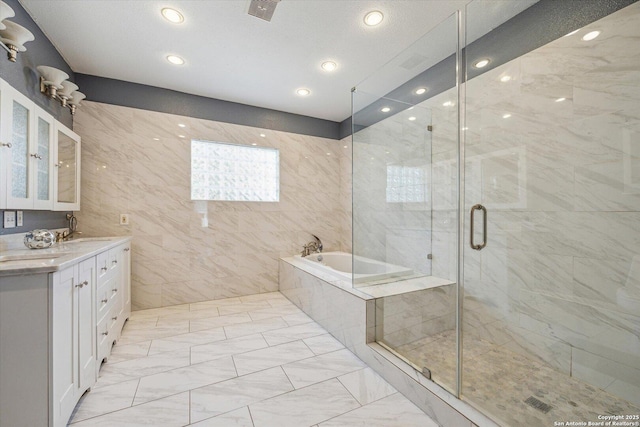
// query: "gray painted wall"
[[23, 76], [118, 92]]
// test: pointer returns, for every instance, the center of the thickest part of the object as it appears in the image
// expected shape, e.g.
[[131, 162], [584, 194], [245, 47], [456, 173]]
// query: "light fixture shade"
[[15, 35], [5, 12], [53, 76], [67, 89], [76, 97]]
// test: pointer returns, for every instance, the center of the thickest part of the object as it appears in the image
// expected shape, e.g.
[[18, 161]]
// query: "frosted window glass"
[[43, 163], [19, 154], [406, 184], [231, 172]]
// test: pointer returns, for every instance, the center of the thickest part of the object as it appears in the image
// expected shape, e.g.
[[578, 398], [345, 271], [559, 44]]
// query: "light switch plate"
[[20, 219], [9, 219]]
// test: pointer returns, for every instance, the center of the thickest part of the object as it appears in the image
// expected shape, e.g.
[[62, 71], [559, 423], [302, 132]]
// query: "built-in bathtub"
[[344, 266]]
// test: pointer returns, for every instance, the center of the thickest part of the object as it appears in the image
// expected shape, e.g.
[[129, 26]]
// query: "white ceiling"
[[233, 56]]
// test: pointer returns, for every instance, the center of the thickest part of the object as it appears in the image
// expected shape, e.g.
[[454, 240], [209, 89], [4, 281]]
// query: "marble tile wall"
[[135, 162], [553, 155]]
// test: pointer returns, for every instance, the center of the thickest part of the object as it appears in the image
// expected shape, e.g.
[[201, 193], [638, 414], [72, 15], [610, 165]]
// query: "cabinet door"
[[42, 158], [64, 343], [17, 130], [67, 170], [86, 322], [126, 281]]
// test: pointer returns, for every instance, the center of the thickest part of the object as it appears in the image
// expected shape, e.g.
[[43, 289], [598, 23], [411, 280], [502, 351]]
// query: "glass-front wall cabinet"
[[31, 141]]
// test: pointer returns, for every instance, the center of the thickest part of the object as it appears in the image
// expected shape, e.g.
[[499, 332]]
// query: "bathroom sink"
[[30, 257]]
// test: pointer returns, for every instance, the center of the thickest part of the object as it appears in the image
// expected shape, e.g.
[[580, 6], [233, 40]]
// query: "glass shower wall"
[[405, 145], [551, 309]]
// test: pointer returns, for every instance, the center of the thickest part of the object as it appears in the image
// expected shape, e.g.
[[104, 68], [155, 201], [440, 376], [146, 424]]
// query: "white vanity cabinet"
[[73, 336], [56, 328]]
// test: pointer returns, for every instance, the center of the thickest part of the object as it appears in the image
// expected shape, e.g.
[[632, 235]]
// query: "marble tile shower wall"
[[560, 277], [175, 258]]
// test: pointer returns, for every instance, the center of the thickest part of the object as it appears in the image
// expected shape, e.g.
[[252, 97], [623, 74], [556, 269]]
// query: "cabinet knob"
[[115, 290], [115, 261], [7, 144], [105, 333], [36, 156], [104, 269], [85, 283], [104, 301], [79, 285], [127, 249], [114, 318]]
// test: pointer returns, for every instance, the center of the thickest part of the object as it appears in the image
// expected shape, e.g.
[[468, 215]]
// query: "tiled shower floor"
[[249, 361], [498, 381]]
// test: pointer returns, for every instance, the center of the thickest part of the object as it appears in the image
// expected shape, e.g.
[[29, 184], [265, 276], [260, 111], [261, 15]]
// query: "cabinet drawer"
[[103, 302], [102, 267], [114, 258], [105, 339]]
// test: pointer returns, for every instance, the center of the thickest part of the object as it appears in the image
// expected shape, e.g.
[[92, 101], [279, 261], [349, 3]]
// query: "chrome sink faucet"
[[312, 247]]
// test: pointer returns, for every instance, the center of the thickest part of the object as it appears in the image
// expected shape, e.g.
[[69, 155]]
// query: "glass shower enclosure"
[[496, 183]]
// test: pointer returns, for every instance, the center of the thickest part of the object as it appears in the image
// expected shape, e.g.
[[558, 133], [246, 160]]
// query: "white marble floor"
[[249, 361]]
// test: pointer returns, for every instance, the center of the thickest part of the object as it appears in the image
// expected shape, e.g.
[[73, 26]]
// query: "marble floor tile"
[[391, 411], [242, 391], [168, 412], [307, 406], [366, 386], [244, 307], [230, 347], [283, 310], [122, 352], [320, 368], [322, 344], [149, 365], [238, 418], [162, 373], [104, 400], [164, 384], [297, 319], [250, 328], [218, 322], [179, 342], [258, 360], [293, 333]]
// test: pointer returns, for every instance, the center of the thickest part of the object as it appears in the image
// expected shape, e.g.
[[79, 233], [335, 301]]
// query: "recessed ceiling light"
[[175, 60], [572, 32], [373, 18], [303, 92], [182, 125], [590, 36], [561, 99], [482, 63], [505, 79], [421, 91], [172, 15], [262, 135], [385, 109], [448, 104], [412, 118], [329, 66], [506, 116]]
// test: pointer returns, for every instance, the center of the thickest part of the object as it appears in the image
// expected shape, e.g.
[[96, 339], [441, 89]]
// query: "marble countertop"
[[58, 257]]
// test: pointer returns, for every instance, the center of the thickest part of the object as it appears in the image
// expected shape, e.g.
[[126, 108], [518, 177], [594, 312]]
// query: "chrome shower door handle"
[[475, 208]]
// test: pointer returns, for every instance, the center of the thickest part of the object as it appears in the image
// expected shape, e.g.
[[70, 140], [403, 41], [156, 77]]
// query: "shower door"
[[551, 272]]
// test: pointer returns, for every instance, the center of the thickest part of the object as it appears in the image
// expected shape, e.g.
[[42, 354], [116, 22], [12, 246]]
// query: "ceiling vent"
[[263, 9]]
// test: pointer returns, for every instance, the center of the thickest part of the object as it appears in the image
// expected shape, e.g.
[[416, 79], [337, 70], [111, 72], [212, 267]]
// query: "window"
[[221, 171], [406, 184]]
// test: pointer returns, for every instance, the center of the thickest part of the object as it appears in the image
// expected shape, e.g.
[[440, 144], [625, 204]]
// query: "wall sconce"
[[5, 12], [74, 102], [13, 37], [54, 84]]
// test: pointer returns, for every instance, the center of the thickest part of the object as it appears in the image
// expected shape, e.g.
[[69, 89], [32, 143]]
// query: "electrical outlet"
[[124, 219], [20, 219], [9, 219]]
